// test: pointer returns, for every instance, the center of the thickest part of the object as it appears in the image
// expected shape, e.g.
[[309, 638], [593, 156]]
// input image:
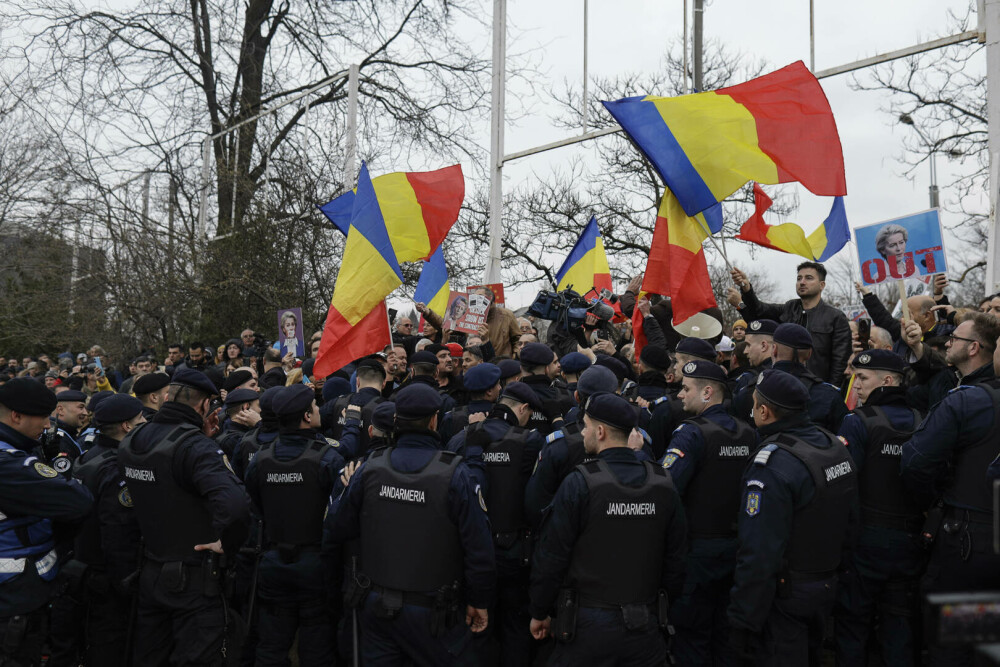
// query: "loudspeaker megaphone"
[[699, 325]]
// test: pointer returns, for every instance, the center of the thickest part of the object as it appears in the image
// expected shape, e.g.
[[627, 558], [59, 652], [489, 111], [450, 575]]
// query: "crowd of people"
[[528, 494]]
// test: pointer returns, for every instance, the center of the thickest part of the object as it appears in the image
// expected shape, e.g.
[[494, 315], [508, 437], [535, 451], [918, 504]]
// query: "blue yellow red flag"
[[433, 286], [822, 244], [586, 265]]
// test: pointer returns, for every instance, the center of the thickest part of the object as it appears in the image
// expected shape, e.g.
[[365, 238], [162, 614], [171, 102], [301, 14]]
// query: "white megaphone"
[[699, 325]]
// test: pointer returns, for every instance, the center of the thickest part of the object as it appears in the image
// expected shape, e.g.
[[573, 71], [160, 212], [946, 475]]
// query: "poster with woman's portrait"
[[466, 311], [902, 248], [290, 332]]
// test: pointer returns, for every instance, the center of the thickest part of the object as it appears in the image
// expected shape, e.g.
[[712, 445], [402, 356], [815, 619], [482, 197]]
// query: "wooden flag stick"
[[902, 299]]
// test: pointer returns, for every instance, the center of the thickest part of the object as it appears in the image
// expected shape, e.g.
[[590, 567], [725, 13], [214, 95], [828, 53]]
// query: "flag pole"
[[722, 249]]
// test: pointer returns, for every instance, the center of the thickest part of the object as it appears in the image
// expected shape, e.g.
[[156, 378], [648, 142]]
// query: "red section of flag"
[[440, 194], [678, 273], [603, 281], [755, 229], [341, 343], [638, 331]]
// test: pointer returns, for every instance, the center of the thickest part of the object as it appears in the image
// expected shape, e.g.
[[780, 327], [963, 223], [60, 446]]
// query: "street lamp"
[[907, 119]]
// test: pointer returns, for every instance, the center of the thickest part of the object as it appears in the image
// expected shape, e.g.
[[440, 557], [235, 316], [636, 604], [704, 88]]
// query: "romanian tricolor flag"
[[777, 128], [825, 241], [357, 323], [587, 264], [419, 208], [433, 287], [677, 266]]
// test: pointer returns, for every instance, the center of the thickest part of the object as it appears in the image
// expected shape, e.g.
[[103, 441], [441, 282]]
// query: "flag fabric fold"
[[822, 244], [419, 208], [586, 265], [433, 286], [676, 265], [777, 128]]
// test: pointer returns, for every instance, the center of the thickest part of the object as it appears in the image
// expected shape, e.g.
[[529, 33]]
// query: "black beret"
[[293, 400], [522, 393], [97, 398], [435, 348], [704, 370], [424, 357], [614, 365], [574, 363], [656, 357], [416, 401], [71, 396], [537, 354], [147, 384], [267, 403], [697, 347], [612, 410], [116, 409], [384, 416], [189, 377], [595, 380], [236, 378], [880, 360], [27, 396], [509, 368], [794, 336], [481, 377], [783, 389], [237, 396], [334, 387], [762, 327]]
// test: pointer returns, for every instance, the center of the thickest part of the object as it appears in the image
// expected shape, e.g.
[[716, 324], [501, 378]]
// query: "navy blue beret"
[[189, 377], [655, 357], [147, 384], [697, 347], [794, 336], [783, 389], [237, 396], [71, 396], [880, 360], [333, 388], [509, 368], [612, 410], [574, 363], [416, 401], [424, 357], [762, 327], [614, 365], [267, 402], [96, 399], [236, 378], [293, 400], [481, 377], [523, 394], [595, 380], [116, 409], [704, 370], [537, 354], [27, 396], [384, 416]]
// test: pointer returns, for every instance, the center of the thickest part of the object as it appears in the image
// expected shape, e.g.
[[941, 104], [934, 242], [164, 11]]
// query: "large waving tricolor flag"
[[433, 287], [586, 265], [824, 242], [677, 266], [357, 322], [418, 207], [777, 128]]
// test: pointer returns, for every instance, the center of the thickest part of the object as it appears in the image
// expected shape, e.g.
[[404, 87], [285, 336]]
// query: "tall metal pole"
[[492, 273], [992, 28], [699, 28], [686, 90], [585, 12], [206, 173], [145, 199], [933, 189], [351, 159], [812, 36]]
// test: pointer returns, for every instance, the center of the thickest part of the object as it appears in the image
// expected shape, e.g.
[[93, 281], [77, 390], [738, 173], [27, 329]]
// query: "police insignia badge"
[[864, 359], [44, 470], [124, 497], [225, 459], [690, 367], [333, 443], [669, 460], [753, 503], [62, 463], [755, 325], [482, 501]]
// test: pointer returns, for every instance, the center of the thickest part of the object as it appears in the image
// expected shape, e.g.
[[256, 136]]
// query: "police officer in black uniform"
[[706, 458], [150, 389], [572, 365], [39, 511], [948, 458], [265, 431], [192, 510], [667, 412], [482, 382], [508, 451], [798, 510], [423, 370], [563, 450], [540, 367], [792, 349], [371, 378], [654, 364], [108, 543], [614, 543], [426, 547], [888, 560], [59, 446], [760, 345], [290, 481], [242, 408]]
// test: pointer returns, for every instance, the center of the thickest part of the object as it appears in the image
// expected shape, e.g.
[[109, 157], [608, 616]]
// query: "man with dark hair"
[[151, 390], [796, 517], [827, 325], [540, 368], [667, 411], [197, 358], [175, 357], [191, 509], [424, 367], [482, 382]]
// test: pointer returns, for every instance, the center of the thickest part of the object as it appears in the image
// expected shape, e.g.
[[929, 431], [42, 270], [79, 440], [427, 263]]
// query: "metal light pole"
[[699, 28], [492, 273], [935, 201]]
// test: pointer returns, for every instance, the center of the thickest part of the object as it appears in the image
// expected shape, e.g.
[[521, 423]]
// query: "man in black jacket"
[[827, 325]]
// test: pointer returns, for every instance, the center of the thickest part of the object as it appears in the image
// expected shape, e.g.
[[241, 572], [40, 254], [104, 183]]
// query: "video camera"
[[568, 312]]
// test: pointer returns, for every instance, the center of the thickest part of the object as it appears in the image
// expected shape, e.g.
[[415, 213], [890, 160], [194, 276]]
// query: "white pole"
[[235, 163], [351, 159], [992, 26], [585, 8], [812, 37], [206, 173], [686, 90], [492, 273]]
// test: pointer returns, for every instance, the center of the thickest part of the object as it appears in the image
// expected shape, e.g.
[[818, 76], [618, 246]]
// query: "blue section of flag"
[[586, 243], [838, 233], [366, 218], [339, 211], [433, 276]]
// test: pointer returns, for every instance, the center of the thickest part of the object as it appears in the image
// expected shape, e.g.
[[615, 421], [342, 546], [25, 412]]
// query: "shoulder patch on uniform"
[[552, 437], [124, 497], [755, 482], [44, 470], [660, 400], [670, 458], [842, 440], [764, 454], [753, 503], [62, 464], [482, 501], [225, 461], [333, 443]]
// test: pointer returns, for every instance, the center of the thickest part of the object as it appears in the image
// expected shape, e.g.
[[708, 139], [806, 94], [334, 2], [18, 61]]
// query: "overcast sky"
[[631, 35]]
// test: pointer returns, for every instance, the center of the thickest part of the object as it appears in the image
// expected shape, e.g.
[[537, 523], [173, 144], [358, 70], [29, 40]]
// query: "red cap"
[[455, 349]]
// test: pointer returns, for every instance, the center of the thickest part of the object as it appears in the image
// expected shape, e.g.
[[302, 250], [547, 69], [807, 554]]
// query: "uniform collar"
[[982, 374], [424, 439], [887, 396], [792, 424], [15, 439], [537, 379], [652, 379], [173, 412], [63, 426], [617, 454], [504, 413]]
